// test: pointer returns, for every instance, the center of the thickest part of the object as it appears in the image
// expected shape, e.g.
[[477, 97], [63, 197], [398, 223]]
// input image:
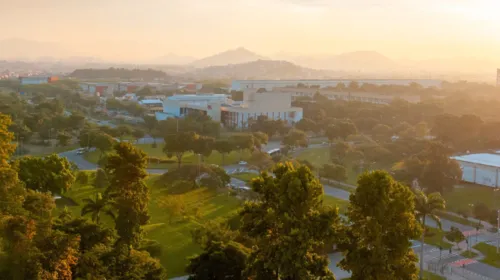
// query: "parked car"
[[242, 163]]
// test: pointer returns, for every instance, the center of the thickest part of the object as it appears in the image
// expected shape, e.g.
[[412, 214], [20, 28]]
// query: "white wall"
[[480, 174]]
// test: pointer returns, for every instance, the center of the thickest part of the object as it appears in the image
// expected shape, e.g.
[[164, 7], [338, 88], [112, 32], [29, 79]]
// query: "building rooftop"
[[483, 159]]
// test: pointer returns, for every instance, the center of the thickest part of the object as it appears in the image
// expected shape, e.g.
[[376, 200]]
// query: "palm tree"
[[95, 207], [427, 206]]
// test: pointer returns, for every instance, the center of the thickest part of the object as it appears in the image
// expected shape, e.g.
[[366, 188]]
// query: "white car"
[[242, 163]]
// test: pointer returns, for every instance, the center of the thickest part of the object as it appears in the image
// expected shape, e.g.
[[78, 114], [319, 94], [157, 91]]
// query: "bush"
[[82, 177], [101, 179], [181, 186]]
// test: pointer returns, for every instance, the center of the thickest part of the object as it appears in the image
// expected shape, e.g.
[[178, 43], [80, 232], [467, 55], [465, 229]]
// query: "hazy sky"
[[151, 28]]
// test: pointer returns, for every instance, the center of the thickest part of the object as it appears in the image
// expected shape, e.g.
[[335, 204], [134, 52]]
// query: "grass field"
[[457, 219], [201, 205], [468, 254], [491, 256], [435, 238], [214, 158], [463, 195], [333, 201]]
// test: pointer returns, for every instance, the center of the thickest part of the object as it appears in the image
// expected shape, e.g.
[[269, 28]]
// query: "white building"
[[271, 84], [274, 105], [481, 169], [233, 113]]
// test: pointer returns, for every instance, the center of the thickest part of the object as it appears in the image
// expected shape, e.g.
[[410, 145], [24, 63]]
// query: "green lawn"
[[490, 254], [333, 201], [316, 156], [214, 158], [245, 176], [469, 254], [202, 205], [457, 219], [435, 237], [459, 199], [431, 276]]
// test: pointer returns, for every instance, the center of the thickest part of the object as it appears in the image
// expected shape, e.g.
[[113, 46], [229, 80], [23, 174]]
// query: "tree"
[[295, 138], [288, 222], [174, 205], [104, 143], [427, 206], [6, 137], [340, 129], [82, 177], [138, 133], [440, 172], [334, 172], [126, 169], [63, 138], [151, 123], [382, 223], [260, 160], [339, 151], [76, 121], [97, 206], [49, 174], [219, 261], [353, 86], [87, 138], [124, 130], [306, 124], [455, 235], [179, 144], [260, 139], [242, 142], [101, 179], [421, 130], [204, 146], [382, 132], [224, 147]]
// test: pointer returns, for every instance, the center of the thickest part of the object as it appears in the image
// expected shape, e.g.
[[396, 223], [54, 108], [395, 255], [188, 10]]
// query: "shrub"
[[160, 160], [82, 177], [181, 186]]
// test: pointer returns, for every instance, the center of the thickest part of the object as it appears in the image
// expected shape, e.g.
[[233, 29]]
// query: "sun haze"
[[131, 29]]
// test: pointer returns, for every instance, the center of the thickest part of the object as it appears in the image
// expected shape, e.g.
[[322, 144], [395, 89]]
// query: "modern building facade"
[[481, 169], [271, 84], [238, 114]]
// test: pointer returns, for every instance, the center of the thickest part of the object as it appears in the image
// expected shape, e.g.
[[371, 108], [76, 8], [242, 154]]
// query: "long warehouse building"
[[481, 169]]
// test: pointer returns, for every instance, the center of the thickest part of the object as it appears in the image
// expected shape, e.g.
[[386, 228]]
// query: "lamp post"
[[498, 222], [468, 235]]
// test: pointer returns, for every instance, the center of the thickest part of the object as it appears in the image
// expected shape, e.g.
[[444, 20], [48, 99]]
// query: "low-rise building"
[[233, 113], [482, 169], [37, 80]]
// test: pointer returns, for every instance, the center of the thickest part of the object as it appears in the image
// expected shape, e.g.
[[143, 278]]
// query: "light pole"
[[498, 223]]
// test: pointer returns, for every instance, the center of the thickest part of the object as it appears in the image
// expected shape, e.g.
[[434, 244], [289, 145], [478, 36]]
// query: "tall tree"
[[427, 206], [260, 139], [179, 144], [334, 172], [151, 123], [288, 222], [382, 223], [97, 206], [126, 169], [224, 147], [243, 142], [104, 143], [63, 138], [339, 151]]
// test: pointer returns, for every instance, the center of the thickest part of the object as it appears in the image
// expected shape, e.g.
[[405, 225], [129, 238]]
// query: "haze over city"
[[140, 31]]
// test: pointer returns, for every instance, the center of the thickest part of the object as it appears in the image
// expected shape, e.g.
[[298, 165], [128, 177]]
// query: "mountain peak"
[[233, 56]]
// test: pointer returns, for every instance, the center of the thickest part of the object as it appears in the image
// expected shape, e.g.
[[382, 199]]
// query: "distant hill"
[[120, 73], [236, 56], [260, 69]]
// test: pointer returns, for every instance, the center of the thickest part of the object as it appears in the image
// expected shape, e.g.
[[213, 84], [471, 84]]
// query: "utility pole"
[[498, 230]]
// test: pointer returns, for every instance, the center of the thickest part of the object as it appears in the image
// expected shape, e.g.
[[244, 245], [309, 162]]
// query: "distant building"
[[37, 80], [482, 169], [233, 113], [368, 97], [152, 105], [98, 88], [271, 84]]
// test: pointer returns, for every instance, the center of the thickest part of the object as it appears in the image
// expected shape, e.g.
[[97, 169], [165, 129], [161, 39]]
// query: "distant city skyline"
[[139, 30]]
